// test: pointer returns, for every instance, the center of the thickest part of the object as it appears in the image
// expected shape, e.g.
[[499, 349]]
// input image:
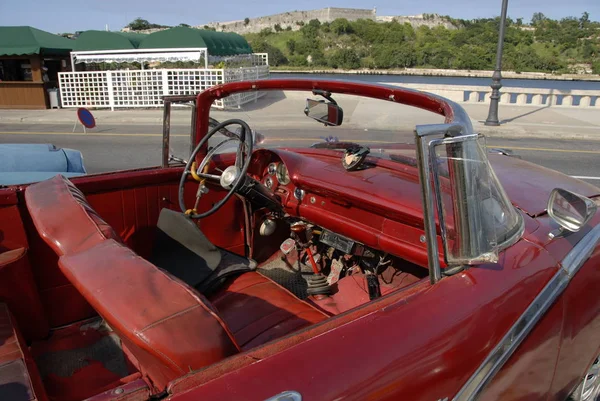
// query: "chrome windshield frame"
[[427, 138]]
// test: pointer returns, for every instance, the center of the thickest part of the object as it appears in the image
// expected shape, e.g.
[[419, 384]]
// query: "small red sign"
[[86, 118]]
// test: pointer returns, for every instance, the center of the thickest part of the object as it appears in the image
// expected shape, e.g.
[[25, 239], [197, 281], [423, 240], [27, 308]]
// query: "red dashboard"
[[378, 206]]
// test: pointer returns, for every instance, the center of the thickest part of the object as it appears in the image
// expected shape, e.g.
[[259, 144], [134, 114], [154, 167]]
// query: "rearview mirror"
[[570, 210], [325, 112]]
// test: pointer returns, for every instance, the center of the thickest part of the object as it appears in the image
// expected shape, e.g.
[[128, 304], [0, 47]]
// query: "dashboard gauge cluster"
[[277, 173], [282, 173]]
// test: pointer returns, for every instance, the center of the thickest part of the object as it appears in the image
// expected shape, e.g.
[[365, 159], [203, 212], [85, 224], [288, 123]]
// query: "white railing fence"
[[241, 60], [513, 96], [145, 88], [260, 58]]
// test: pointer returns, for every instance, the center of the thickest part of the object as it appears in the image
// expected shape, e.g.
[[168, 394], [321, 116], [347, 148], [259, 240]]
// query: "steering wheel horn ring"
[[231, 178]]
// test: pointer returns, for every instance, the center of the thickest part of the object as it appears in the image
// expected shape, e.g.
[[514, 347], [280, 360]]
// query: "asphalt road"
[[132, 146]]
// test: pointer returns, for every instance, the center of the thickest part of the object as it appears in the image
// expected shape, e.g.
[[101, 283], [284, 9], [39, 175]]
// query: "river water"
[[412, 79]]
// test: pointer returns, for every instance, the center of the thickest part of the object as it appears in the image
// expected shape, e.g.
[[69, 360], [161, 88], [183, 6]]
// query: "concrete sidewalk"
[[516, 121]]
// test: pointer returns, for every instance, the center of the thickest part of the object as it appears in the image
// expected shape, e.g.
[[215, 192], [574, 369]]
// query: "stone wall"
[[418, 20], [293, 19]]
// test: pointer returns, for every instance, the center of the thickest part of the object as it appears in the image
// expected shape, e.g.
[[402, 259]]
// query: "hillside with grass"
[[556, 46]]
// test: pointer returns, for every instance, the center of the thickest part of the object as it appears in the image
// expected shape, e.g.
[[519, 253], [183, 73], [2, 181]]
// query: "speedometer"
[[283, 175]]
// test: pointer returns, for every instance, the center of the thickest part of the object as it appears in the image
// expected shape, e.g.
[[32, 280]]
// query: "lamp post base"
[[492, 118]]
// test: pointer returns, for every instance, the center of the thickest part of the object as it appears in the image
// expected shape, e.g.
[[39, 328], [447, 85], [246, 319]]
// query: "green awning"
[[217, 43], [25, 40], [104, 40]]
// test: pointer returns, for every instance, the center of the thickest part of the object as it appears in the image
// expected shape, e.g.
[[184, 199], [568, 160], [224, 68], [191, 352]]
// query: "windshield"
[[477, 214], [280, 117]]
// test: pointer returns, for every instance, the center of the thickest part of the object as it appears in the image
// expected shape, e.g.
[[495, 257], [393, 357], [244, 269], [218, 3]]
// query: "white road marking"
[[583, 177]]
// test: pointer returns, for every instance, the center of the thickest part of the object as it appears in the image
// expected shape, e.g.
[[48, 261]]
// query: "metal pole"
[[492, 118]]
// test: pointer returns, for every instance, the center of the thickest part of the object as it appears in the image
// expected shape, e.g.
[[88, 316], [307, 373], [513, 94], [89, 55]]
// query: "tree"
[[246, 21], [291, 45], [584, 20], [315, 23], [341, 26], [184, 25], [278, 28], [265, 32], [344, 58], [276, 56], [537, 18], [139, 24], [317, 57], [298, 61], [552, 45], [309, 31]]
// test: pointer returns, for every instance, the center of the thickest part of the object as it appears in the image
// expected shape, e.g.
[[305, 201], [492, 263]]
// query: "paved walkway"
[[517, 121]]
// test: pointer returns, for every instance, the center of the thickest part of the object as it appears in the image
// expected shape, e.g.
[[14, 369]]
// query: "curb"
[[512, 133], [132, 121]]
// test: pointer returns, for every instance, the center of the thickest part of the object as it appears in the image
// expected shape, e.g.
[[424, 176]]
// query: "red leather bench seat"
[[64, 218], [167, 328], [19, 377], [258, 310]]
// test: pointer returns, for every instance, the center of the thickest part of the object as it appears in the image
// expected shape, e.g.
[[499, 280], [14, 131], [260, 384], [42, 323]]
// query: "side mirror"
[[570, 210], [325, 112]]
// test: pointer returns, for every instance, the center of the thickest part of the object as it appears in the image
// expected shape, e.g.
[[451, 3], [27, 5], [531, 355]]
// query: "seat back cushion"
[[63, 217], [166, 326]]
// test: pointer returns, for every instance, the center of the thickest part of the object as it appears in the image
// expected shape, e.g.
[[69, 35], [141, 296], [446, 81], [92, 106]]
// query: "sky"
[[60, 16]]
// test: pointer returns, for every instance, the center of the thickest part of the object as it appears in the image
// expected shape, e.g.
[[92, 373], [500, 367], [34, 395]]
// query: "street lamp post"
[[492, 118]]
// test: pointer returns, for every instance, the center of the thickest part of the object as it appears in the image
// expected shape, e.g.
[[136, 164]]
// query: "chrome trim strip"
[[581, 252], [422, 132], [286, 396], [510, 241], [570, 265]]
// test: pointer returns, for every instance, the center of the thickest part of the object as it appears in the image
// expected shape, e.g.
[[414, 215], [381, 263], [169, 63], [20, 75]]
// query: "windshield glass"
[[477, 214], [281, 120]]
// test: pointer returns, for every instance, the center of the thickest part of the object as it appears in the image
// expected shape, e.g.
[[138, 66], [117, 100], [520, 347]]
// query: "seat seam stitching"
[[265, 317], [269, 328], [164, 319], [160, 353], [228, 293]]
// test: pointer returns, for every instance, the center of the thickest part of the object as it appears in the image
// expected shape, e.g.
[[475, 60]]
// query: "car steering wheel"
[[231, 177]]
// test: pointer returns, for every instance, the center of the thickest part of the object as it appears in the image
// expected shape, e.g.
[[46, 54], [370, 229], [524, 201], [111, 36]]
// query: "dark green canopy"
[[25, 40], [103, 40], [217, 43]]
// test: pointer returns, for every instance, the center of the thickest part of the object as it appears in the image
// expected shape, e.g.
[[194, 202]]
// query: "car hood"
[[529, 185], [27, 163]]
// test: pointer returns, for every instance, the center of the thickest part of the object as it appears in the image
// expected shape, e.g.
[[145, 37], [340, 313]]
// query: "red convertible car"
[[328, 262]]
